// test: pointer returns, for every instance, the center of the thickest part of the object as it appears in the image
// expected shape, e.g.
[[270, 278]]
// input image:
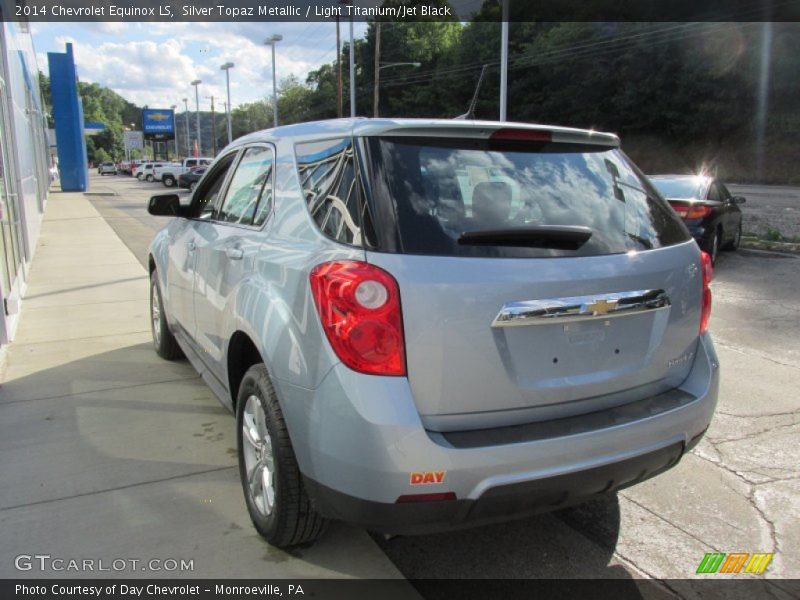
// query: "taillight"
[[691, 210], [708, 273], [359, 306]]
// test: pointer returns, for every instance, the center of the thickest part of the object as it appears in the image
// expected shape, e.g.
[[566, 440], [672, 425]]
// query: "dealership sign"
[[158, 123], [133, 140]]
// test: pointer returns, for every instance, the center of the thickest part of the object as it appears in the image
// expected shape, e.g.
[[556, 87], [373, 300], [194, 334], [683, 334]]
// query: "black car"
[[189, 180], [709, 210]]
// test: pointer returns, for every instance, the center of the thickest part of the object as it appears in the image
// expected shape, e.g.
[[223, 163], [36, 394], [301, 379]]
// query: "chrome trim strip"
[[580, 308]]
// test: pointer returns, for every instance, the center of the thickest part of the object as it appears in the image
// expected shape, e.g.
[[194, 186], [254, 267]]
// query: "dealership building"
[[24, 167]]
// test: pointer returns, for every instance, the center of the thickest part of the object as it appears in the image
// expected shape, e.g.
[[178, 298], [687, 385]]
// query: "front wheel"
[[737, 239], [713, 247], [273, 488], [168, 180], [149, 178]]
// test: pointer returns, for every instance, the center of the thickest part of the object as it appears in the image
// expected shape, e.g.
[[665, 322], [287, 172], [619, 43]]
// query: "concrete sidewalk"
[[108, 452]]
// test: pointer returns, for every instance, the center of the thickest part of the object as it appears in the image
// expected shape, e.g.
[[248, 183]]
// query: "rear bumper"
[[358, 439]]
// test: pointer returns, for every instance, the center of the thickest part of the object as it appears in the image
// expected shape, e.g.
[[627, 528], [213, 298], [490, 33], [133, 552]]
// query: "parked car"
[[439, 323], [189, 180], [169, 174], [709, 210], [145, 171], [107, 168]]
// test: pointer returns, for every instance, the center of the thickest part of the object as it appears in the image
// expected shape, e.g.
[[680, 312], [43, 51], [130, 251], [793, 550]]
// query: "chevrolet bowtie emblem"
[[158, 117], [601, 307]]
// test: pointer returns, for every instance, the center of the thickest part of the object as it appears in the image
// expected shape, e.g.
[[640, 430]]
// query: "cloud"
[[153, 63]]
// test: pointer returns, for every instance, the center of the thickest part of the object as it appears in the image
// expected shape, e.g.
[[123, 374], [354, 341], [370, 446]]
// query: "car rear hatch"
[[540, 276]]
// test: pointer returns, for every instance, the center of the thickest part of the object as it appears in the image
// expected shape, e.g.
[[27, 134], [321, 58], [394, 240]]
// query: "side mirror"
[[739, 199], [164, 205]]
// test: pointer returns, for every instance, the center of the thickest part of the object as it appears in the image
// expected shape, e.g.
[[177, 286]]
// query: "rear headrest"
[[491, 201]]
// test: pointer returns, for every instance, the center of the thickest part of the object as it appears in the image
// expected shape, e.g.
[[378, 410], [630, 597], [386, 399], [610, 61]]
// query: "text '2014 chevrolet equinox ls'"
[[424, 325]]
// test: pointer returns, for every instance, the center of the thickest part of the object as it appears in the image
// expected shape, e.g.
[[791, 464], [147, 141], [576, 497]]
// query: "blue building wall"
[[68, 116]]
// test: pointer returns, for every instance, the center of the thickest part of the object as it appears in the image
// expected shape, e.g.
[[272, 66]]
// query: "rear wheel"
[[168, 180], [139, 176], [165, 344], [273, 489], [149, 178], [713, 246]]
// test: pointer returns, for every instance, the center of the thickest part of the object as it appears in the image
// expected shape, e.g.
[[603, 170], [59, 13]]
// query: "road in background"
[[738, 491], [774, 207]]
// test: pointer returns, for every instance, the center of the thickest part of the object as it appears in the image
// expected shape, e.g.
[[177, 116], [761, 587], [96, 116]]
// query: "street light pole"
[[378, 68], [196, 83], [270, 41], [227, 67], [504, 64], [186, 114], [213, 127], [175, 130]]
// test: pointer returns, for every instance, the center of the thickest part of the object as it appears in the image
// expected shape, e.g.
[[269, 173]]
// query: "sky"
[[153, 63]]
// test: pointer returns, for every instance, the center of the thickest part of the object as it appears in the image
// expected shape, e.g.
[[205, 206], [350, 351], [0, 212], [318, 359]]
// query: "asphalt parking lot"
[[738, 491]]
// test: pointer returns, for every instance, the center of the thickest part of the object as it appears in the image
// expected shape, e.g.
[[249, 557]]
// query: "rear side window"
[[329, 182], [441, 189]]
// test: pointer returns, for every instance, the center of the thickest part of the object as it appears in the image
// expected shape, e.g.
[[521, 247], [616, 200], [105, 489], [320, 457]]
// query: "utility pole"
[[352, 72], [213, 127], [175, 130], [271, 41], [504, 64], [375, 94], [338, 71], [227, 67], [196, 83]]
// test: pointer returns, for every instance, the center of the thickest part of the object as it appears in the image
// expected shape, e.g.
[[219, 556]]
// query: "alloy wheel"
[[259, 459], [155, 313]]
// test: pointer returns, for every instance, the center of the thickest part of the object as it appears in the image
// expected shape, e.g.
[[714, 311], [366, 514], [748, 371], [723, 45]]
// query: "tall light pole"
[[196, 83], [186, 114], [270, 41], [504, 64], [227, 68], [378, 68], [175, 130], [213, 127]]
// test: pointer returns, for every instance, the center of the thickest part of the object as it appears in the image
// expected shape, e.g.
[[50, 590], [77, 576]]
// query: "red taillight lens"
[[708, 273], [522, 135], [691, 210], [359, 306]]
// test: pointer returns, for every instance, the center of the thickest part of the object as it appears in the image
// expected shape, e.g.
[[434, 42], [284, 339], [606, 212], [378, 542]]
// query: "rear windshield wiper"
[[558, 237], [642, 240]]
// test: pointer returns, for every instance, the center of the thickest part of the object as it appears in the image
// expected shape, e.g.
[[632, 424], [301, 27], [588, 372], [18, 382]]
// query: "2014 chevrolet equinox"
[[426, 324]]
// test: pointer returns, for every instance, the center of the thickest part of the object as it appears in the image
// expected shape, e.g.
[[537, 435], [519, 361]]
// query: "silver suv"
[[428, 324]]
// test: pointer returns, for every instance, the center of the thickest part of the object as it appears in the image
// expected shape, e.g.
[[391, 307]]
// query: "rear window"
[[681, 188], [424, 194]]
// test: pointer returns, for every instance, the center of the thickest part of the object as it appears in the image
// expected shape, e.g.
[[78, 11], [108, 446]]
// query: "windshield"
[[682, 188], [442, 190]]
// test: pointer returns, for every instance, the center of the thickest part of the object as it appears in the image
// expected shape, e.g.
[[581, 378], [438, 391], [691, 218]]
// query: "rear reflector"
[[708, 273], [438, 497], [522, 135]]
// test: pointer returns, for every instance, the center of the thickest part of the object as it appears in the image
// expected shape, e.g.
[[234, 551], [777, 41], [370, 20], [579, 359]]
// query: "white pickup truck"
[[169, 172]]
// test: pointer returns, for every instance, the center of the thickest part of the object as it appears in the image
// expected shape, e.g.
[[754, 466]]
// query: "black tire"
[[292, 520], [712, 247], [168, 180], [139, 176], [149, 178], [165, 344], [737, 238]]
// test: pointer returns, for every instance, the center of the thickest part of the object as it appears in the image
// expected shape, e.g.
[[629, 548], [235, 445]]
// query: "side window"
[[191, 163], [724, 193], [242, 197], [328, 179], [714, 192], [205, 199]]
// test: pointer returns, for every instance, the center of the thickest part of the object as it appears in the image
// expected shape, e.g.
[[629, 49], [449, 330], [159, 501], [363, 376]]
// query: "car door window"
[[249, 180], [725, 195], [205, 199]]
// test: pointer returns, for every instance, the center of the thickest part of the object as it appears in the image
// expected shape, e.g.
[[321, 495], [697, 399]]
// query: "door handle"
[[234, 253], [191, 246]]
